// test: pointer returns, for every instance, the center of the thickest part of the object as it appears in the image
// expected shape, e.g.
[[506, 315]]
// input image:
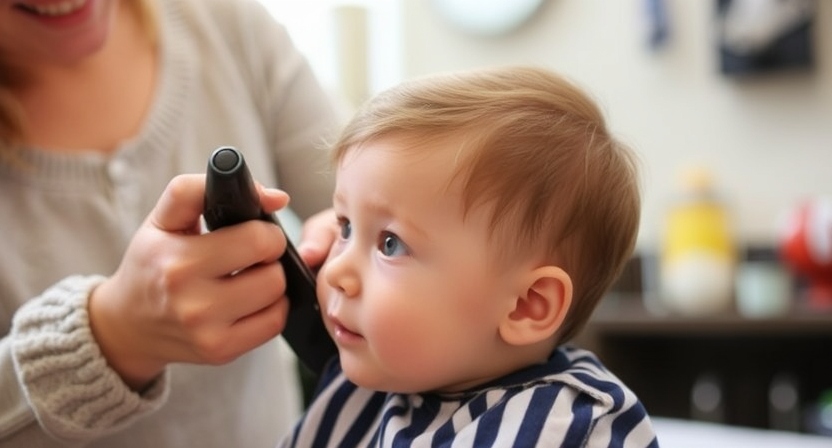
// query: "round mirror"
[[486, 17]]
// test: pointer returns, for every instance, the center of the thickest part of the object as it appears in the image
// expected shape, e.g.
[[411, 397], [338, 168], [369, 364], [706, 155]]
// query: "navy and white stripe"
[[570, 401]]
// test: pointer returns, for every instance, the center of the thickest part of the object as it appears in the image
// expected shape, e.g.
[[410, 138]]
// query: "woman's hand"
[[183, 296], [319, 232]]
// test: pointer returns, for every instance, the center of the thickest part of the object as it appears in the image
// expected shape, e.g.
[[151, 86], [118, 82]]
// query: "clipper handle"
[[231, 198]]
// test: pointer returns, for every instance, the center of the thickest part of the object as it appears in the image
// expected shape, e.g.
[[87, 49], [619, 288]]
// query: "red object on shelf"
[[806, 246]]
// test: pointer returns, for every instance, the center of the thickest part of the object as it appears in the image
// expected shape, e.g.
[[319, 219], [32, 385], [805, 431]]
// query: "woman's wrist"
[[58, 361], [121, 351]]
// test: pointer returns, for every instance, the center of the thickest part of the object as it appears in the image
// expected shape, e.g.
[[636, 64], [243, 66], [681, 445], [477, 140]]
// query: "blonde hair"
[[12, 119], [536, 150]]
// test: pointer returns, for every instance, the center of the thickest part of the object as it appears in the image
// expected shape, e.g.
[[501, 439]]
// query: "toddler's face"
[[405, 292]]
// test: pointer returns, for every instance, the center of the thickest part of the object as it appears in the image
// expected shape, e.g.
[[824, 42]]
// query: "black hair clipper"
[[231, 198]]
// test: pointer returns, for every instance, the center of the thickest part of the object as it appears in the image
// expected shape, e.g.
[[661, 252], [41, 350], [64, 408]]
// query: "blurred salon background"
[[724, 314]]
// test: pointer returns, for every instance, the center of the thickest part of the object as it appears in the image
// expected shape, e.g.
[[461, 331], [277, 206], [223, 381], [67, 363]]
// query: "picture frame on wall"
[[761, 36]]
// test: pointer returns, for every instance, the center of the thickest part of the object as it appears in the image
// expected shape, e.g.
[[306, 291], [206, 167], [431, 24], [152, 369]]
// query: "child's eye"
[[391, 245], [346, 228]]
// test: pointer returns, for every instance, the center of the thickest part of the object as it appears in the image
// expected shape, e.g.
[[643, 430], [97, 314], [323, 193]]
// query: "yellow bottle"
[[698, 254]]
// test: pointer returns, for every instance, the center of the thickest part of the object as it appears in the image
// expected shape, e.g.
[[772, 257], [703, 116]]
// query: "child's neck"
[[510, 360]]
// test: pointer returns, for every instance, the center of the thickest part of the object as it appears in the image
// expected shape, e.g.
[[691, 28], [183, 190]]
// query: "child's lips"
[[341, 333]]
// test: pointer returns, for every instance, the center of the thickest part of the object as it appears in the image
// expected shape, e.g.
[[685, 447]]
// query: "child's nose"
[[341, 273]]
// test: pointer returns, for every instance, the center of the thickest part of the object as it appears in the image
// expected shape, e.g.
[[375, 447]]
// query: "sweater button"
[[118, 170]]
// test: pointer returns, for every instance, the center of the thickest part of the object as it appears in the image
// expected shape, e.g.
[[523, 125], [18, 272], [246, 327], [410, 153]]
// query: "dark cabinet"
[[764, 373]]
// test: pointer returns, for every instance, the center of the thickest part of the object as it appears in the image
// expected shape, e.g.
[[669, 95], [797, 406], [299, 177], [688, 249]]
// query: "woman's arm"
[[86, 358]]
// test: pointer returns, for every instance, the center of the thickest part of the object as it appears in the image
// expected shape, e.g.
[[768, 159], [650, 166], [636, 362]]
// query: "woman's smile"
[[52, 9], [57, 13]]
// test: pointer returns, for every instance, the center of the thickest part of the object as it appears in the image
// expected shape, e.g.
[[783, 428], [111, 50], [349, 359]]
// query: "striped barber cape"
[[570, 401]]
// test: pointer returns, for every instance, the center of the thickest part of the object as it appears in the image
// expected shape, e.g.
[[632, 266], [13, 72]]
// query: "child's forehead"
[[387, 171], [440, 156]]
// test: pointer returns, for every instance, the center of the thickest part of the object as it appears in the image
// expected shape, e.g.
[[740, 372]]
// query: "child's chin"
[[374, 380]]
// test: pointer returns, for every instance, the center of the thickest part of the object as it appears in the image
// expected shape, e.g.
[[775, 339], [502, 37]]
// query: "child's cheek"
[[398, 340], [321, 289]]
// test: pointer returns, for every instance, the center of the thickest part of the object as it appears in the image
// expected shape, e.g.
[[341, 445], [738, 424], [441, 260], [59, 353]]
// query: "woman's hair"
[[534, 149], [11, 115]]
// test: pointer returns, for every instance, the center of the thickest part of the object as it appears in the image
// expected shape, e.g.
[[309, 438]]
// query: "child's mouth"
[[342, 334]]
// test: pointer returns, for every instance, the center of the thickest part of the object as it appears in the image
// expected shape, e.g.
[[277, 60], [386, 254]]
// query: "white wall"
[[328, 32], [769, 140]]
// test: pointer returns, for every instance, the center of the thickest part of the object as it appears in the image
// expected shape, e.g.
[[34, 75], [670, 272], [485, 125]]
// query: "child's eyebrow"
[[381, 209]]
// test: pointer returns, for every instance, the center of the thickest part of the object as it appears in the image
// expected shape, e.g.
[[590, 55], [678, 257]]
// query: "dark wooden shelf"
[[628, 316], [661, 357]]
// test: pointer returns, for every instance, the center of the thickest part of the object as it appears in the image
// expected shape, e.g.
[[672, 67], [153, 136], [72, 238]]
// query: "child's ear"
[[540, 307]]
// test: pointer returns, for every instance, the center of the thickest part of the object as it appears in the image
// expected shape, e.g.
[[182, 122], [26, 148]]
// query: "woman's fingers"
[[319, 232], [181, 204]]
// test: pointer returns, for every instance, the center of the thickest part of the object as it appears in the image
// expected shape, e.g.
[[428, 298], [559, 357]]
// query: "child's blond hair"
[[536, 150]]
